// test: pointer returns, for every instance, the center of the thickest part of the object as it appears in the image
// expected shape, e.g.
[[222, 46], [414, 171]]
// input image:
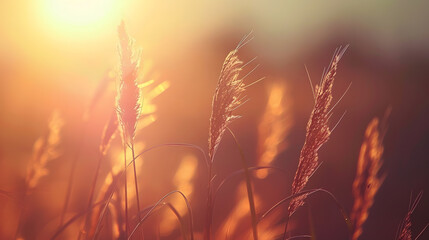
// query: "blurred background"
[[55, 54]]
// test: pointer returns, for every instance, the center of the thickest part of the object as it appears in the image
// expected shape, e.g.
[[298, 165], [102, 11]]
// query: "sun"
[[81, 14]]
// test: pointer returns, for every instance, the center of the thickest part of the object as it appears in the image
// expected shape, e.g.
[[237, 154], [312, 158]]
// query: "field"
[[213, 120]]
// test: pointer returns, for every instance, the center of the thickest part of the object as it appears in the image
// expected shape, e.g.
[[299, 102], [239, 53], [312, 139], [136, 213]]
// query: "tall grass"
[[367, 180], [318, 131], [128, 103], [107, 136], [108, 212], [45, 149], [227, 97]]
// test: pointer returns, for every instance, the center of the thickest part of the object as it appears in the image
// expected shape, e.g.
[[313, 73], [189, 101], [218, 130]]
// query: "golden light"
[[182, 181], [238, 215], [274, 126], [81, 14]]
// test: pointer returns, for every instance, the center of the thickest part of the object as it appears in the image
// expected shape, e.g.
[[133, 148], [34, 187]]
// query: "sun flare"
[[81, 14]]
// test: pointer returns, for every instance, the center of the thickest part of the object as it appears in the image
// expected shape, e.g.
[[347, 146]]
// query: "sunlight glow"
[[81, 18], [274, 127], [80, 12], [182, 181]]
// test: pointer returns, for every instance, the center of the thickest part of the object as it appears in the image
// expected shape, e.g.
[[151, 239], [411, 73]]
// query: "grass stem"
[[209, 206], [92, 192], [249, 188], [126, 192], [135, 181], [73, 172]]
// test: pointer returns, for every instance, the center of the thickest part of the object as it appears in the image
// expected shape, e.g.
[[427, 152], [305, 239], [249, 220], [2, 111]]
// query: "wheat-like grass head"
[[367, 180], [128, 97], [318, 131], [227, 97]]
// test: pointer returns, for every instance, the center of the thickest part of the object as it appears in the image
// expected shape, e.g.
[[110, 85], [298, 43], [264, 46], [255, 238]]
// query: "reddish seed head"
[[318, 133], [367, 182], [128, 96], [227, 97], [405, 227]]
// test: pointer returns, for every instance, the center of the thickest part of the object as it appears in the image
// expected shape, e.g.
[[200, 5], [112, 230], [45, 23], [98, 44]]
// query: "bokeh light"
[[61, 58]]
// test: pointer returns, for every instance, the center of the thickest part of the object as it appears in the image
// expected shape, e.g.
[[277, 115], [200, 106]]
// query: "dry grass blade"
[[367, 180], [308, 193], [73, 219], [318, 132], [160, 201], [114, 183], [183, 181], [179, 218], [233, 223], [108, 188], [250, 195], [108, 134]]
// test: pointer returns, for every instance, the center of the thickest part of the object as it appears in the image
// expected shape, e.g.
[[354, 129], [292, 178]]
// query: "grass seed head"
[[367, 180], [128, 96], [227, 97], [405, 227], [45, 149], [317, 134]]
